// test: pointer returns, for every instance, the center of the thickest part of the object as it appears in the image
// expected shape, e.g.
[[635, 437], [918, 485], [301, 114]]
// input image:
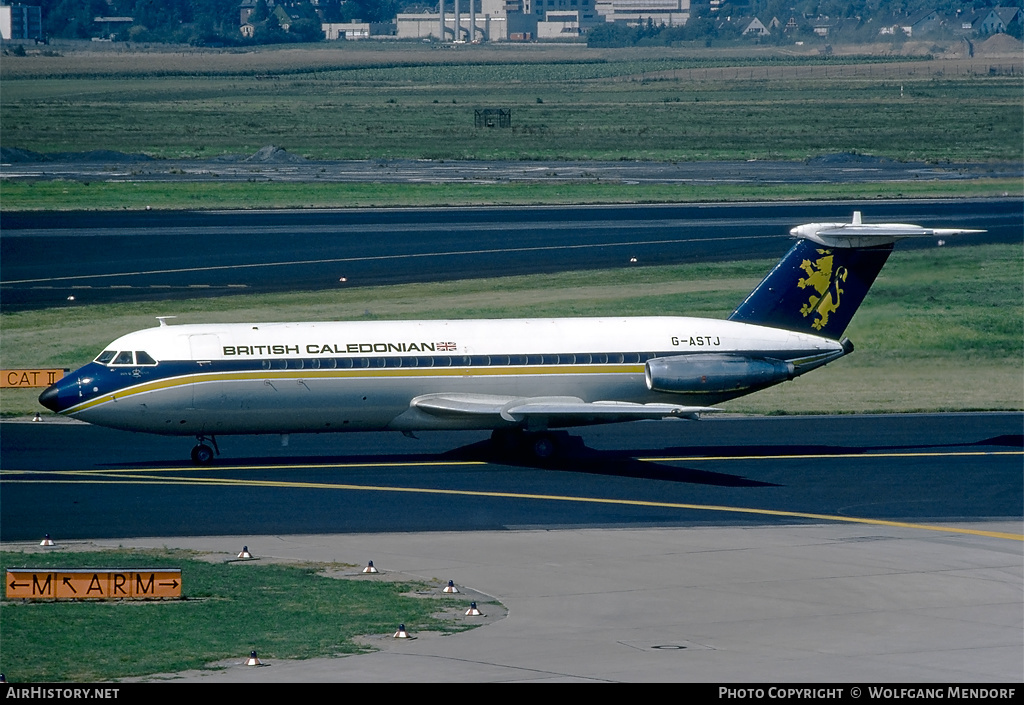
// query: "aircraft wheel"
[[202, 454], [544, 446]]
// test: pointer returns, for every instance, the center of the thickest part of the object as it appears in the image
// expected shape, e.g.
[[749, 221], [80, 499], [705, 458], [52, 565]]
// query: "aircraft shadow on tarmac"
[[575, 456]]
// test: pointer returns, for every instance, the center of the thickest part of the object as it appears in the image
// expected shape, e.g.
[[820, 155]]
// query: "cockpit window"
[[143, 358], [105, 356], [124, 358]]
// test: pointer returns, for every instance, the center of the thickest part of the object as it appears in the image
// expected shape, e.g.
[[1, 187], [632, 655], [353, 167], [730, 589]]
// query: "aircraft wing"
[[558, 409]]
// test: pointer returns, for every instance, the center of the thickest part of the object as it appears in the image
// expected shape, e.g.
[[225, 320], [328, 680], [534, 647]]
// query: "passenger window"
[[124, 358], [143, 358]]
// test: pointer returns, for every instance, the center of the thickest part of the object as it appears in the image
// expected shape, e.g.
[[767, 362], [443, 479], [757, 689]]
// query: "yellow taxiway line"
[[155, 477]]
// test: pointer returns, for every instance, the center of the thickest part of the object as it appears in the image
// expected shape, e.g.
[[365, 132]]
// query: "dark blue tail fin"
[[814, 289]]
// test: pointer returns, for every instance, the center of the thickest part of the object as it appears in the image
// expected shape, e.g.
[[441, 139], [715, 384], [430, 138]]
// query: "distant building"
[[672, 13], [346, 30], [752, 27], [21, 22], [918, 23], [992, 20], [997, 19], [110, 26], [475, 21], [559, 25]]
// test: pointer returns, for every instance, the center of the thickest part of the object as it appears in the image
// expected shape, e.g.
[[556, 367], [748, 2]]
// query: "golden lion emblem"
[[820, 277]]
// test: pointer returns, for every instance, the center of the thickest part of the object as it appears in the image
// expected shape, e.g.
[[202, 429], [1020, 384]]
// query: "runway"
[[135, 256]]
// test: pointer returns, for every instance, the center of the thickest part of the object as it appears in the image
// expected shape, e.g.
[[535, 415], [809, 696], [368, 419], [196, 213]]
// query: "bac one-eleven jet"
[[517, 377]]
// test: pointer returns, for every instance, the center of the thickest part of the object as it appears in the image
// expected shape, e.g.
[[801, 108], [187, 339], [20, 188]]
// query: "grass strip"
[[210, 194], [228, 610]]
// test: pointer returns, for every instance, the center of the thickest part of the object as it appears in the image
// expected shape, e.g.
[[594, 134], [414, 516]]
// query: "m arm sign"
[[93, 584], [30, 378]]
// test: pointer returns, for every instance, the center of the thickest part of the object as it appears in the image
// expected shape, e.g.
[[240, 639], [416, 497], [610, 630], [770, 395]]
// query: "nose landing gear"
[[203, 454]]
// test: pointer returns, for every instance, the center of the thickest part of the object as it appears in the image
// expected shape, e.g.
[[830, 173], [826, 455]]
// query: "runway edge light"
[[370, 569], [473, 611], [244, 554], [47, 541], [253, 660], [450, 588], [401, 633]]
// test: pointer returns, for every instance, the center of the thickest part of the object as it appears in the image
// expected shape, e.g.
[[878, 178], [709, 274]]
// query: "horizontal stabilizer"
[[860, 234]]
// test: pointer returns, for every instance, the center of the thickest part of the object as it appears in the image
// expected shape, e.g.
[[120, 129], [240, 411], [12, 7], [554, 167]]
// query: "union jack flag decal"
[[447, 347]]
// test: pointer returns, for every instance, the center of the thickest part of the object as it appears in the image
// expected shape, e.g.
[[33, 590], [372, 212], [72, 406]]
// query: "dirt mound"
[[13, 155], [273, 154], [999, 46]]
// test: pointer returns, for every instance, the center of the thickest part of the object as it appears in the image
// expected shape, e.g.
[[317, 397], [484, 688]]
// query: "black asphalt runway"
[[77, 481], [59, 259]]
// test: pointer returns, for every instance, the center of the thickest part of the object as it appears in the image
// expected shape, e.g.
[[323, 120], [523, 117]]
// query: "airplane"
[[518, 378]]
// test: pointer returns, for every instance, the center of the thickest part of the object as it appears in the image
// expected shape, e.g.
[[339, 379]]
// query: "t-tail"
[[818, 286]]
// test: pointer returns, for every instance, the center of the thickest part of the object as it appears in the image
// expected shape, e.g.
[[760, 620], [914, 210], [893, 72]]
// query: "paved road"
[[98, 257]]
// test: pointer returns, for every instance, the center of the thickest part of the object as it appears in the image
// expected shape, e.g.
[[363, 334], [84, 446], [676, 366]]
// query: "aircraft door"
[[205, 349]]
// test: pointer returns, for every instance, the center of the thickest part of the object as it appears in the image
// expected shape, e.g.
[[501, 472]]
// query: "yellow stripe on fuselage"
[[362, 373]]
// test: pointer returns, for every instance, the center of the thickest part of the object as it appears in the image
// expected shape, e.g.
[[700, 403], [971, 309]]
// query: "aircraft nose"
[[50, 398]]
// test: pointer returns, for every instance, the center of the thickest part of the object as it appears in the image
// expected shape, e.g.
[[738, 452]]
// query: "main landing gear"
[[203, 454], [539, 445]]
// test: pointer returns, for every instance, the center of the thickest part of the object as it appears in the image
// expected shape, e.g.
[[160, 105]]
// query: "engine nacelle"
[[714, 373]]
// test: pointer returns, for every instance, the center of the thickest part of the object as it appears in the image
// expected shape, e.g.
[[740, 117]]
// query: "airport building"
[[672, 13], [21, 22], [526, 20], [470, 21]]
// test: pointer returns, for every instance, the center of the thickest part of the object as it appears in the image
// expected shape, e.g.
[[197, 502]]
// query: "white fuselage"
[[358, 376]]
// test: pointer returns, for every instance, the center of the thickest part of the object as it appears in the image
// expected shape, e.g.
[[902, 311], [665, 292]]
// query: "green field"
[[227, 611], [568, 104], [942, 329], [121, 195]]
